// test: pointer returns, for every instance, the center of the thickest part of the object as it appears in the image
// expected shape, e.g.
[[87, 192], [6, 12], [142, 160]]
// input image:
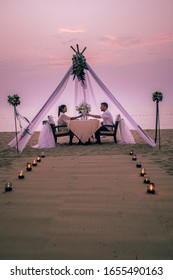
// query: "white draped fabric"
[[83, 130], [122, 110], [24, 136], [46, 138], [125, 134], [85, 93]]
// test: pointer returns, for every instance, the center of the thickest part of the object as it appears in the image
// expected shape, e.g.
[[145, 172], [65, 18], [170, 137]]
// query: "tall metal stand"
[[15, 117], [157, 128]]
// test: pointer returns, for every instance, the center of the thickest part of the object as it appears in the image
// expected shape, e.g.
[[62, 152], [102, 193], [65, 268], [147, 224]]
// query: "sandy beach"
[[87, 202]]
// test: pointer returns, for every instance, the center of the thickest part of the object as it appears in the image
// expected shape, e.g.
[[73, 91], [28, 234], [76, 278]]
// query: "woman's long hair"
[[60, 109]]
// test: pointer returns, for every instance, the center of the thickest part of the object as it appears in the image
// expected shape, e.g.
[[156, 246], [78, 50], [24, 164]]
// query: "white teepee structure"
[[81, 70]]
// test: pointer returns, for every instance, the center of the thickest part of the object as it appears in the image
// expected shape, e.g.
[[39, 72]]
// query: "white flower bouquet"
[[83, 107]]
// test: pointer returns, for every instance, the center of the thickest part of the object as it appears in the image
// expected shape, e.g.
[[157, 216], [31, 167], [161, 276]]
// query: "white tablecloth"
[[84, 129]]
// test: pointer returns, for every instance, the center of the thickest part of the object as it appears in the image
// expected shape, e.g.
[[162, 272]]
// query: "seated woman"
[[63, 119]]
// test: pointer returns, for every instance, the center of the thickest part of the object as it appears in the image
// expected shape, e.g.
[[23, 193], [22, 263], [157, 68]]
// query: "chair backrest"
[[115, 130], [116, 126], [112, 131], [53, 130], [51, 120], [59, 133]]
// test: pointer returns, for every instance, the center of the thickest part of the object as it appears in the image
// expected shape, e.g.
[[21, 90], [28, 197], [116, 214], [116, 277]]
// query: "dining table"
[[84, 129]]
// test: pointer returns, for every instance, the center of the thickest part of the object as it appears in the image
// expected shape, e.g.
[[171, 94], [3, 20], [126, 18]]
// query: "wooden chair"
[[112, 132], [59, 132]]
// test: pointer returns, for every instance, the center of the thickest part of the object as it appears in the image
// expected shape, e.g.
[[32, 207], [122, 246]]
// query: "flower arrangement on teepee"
[[79, 65], [14, 100]]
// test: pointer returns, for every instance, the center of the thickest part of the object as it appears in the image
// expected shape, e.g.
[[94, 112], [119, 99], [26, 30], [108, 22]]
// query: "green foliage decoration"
[[157, 96], [14, 100], [79, 65]]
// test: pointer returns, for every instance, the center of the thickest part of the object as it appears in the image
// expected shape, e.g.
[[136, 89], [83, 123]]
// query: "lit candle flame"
[[143, 171], [29, 166], [134, 157], [8, 186], [151, 188], [38, 158], [21, 174]]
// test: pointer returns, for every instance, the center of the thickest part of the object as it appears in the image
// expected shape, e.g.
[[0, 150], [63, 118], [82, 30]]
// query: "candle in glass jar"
[[38, 158], [42, 154], [138, 165], [28, 166], [8, 186], [146, 179], [143, 172], [34, 163], [21, 175], [134, 157], [131, 153], [151, 188]]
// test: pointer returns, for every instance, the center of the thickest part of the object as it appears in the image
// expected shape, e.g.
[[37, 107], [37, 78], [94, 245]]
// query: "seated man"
[[107, 120]]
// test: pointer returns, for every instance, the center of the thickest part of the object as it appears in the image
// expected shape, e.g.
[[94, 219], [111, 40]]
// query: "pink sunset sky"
[[129, 45]]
